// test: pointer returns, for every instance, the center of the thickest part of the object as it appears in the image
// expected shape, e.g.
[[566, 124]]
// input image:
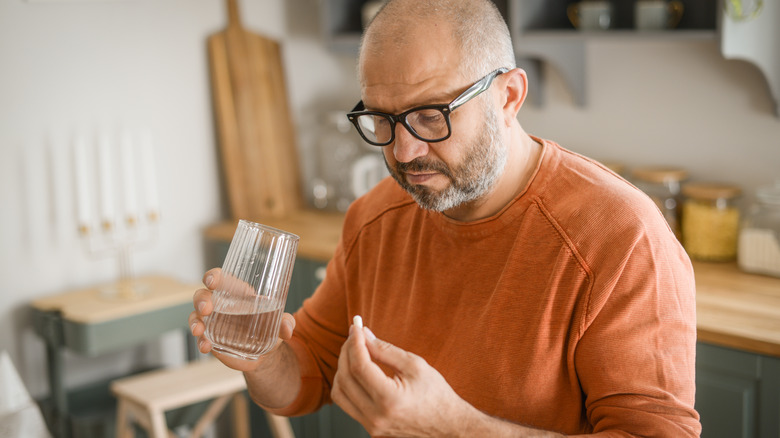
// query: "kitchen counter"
[[319, 232], [734, 309]]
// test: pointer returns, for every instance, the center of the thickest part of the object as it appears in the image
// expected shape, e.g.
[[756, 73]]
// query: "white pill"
[[358, 321]]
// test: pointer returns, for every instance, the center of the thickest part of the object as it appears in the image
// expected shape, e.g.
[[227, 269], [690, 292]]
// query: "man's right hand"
[[204, 307]]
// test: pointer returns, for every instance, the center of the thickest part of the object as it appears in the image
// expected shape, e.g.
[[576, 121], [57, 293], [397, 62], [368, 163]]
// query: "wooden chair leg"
[[124, 427], [212, 412], [280, 426], [240, 416], [159, 429]]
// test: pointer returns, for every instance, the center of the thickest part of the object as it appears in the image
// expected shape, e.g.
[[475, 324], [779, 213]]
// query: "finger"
[[358, 353], [212, 278], [287, 327], [365, 377], [204, 345], [197, 327], [343, 399], [352, 361], [401, 361], [340, 392], [346, 392], [202, 302]]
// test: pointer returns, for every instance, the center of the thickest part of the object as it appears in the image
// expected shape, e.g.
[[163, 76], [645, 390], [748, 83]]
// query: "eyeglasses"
[[429, 123]]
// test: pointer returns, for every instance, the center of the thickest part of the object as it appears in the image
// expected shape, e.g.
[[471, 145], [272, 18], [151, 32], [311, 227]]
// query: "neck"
[[523, 156]]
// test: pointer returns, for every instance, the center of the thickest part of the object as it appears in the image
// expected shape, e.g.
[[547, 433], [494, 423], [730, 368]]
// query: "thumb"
[[385, 353], [287, 326]]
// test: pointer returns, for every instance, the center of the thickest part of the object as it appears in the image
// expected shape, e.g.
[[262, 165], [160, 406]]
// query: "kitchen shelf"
[[532, 36], [543, 34], [528, 15], [565, 49]]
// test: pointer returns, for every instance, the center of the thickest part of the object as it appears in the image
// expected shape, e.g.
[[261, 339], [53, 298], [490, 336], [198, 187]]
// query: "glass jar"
[[662, 185], [338, 146], [710, 221], [759, 237]]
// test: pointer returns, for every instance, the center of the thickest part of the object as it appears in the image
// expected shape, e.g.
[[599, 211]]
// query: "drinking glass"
[[249, 303]]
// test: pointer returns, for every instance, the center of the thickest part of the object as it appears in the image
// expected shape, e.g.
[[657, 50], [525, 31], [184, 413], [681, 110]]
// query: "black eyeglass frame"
[[473, 91]]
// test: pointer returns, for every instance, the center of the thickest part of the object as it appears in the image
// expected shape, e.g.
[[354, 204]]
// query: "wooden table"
[[107, 318]]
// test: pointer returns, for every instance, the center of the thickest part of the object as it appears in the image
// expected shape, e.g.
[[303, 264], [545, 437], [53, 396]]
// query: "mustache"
[[422, 165]]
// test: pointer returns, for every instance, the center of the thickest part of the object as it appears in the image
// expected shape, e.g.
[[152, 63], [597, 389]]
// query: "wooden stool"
[[145, 398]]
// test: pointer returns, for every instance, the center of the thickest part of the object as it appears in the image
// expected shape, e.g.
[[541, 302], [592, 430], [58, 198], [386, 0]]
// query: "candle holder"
[[120, 239], [117, 204]]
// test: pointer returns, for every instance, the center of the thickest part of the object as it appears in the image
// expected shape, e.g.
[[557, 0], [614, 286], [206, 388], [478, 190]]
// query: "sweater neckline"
[[504, 217]]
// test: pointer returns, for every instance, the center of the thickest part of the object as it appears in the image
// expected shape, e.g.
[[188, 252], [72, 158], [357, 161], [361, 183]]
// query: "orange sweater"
[[571, 310]]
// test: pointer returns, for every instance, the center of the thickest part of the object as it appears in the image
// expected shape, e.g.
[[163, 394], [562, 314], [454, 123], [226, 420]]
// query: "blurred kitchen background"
[[71, 68]]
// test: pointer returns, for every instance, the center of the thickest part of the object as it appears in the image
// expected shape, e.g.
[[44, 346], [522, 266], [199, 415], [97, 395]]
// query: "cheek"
[[387, 151], [465, 128]]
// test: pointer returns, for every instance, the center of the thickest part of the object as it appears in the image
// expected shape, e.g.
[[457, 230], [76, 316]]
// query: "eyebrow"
[[415, 104]]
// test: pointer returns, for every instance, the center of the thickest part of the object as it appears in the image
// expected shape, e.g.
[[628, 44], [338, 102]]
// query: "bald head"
[[475, 27]]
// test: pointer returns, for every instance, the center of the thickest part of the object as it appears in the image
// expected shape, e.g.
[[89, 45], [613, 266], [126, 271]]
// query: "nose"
[[407, 147]]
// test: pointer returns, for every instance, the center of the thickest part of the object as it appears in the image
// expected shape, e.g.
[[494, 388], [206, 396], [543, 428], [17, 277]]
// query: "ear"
[[513, 94]]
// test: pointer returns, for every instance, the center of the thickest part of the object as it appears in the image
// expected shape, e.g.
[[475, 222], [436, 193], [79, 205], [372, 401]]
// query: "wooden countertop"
[[734, 309], [319, 231], [115, 301]]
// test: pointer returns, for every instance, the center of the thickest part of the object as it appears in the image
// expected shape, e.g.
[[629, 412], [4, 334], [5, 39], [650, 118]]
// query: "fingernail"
[[369, 334], [201, 306], [209, 280], [192, 327], [200, 343]]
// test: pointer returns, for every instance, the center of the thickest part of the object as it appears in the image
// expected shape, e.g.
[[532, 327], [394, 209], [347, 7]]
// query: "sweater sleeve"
[[322, 323], [321, 328], [636, 356]]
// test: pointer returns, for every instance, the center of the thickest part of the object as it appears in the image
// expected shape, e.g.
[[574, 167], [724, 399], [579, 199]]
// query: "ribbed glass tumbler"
[[249, 303]]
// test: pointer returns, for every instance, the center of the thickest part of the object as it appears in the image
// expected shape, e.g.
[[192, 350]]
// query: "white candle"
[[128, 178], [105, 170], [149, 175], [83, 200]]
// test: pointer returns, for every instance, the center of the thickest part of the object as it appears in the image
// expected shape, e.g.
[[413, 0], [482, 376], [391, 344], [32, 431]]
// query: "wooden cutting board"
[[255, 131]]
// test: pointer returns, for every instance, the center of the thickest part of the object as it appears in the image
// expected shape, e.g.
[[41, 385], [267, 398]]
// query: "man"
[[509, 287]]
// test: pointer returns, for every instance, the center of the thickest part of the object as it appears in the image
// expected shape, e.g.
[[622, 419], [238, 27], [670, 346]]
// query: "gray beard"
[[482, 166]]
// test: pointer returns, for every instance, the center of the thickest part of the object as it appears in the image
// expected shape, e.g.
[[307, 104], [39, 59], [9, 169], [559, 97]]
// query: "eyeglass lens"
[[429, 124]]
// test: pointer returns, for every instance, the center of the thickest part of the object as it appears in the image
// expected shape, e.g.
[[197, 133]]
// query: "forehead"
[[419, 68]]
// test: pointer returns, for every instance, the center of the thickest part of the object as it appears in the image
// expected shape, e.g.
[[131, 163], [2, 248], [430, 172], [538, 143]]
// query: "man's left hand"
[[415, 401]]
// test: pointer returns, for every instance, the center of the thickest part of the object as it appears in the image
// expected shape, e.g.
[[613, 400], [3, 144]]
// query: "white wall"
[[92, 64]]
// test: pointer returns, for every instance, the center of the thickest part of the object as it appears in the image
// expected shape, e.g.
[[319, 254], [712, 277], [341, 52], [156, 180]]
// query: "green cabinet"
[[769, 398], [737, 393]]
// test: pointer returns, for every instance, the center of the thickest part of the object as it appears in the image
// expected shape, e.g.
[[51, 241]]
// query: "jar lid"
[[711, 191], [769, 194], [660, 174]]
